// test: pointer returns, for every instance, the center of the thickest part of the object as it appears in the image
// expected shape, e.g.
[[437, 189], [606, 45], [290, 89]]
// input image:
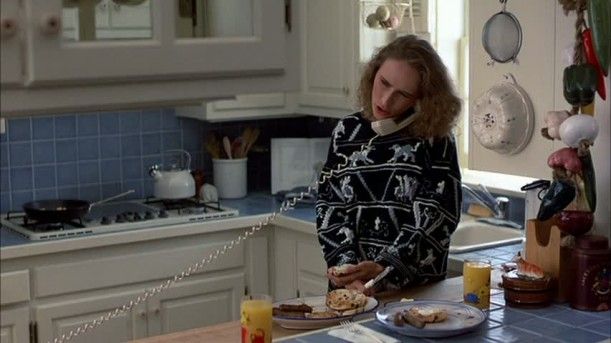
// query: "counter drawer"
[[128, 269], [15, 287]]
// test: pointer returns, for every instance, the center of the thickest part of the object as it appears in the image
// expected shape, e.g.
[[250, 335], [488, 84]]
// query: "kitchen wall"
[[96, 155], [547, 34]]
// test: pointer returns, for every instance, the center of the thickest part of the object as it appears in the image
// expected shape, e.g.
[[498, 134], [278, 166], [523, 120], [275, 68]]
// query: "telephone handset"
[[387, 126]]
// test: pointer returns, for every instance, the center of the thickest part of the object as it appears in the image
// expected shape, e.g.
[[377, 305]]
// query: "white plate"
[[461, 318], [318, 304]]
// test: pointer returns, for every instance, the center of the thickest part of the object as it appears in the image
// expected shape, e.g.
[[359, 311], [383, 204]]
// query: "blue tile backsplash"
[[96, 155]]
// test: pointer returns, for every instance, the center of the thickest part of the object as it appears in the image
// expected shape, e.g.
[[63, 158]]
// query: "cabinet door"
[[162, 56], [329, 56], [11, 30], [311, 268], [300, 269], [196, 303], [14, 326], [59, 318]]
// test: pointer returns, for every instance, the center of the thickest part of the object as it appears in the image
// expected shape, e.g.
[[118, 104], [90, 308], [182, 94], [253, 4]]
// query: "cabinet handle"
[[156, 311], [346, 90], [50, 24], [8, 27], [142, 314]]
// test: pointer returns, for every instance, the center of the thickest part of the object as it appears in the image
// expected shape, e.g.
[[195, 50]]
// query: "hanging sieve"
[[502, 36]]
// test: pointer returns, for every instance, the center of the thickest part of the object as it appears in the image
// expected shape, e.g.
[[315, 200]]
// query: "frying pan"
[[59, 211]]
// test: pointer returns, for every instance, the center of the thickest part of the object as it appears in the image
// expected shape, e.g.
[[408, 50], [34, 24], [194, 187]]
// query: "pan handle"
[[112, 197]]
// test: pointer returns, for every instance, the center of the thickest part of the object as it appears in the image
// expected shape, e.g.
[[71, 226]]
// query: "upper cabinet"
[[329, 56], [169, 44], [10, 32], [154, 39]]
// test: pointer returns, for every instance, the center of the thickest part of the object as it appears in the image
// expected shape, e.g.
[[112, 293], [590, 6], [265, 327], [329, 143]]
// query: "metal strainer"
[[502, 36]]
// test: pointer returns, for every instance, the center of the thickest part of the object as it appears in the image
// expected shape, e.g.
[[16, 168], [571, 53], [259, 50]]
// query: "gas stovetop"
[[120, 216]]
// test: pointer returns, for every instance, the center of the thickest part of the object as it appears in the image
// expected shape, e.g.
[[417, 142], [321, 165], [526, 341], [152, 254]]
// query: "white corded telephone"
[[387, 126], [381, 127]]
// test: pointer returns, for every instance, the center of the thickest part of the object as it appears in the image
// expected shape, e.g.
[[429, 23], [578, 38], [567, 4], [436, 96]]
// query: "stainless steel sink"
[[471, 235]]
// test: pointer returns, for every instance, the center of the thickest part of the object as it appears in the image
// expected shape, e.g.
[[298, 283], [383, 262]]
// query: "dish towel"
[[362, 338]]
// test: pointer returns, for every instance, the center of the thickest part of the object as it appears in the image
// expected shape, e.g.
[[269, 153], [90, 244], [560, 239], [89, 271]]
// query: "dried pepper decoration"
[[593, 60], [599, 17], [580, 83]]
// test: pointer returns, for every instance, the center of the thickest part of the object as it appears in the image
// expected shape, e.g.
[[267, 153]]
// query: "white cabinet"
[[243, 107], [52, 60], [140, 58], [196, 303], [57, 318], [14, 325], [299, 266], [10, 36], [329, 60]]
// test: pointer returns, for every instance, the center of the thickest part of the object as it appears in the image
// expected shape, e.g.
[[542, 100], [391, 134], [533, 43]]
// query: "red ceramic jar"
[[591, 265]]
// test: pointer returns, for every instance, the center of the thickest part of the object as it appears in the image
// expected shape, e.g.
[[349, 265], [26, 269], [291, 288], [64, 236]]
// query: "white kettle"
[[174, 183]]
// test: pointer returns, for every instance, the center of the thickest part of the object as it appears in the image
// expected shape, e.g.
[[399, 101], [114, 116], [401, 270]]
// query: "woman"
[[394, 199]]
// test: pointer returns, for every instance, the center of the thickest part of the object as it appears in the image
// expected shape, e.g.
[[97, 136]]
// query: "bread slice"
[[345, 299], [428, 314], [341, 270]]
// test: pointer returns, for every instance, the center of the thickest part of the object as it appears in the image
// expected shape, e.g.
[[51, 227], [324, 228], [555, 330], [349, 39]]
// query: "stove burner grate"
[[42, 226]]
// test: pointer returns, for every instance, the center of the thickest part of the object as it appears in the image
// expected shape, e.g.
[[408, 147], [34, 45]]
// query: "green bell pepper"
[[580, 83]]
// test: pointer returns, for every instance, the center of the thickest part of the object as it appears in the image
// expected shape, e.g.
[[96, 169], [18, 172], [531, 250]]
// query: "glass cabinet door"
[[89, 41]]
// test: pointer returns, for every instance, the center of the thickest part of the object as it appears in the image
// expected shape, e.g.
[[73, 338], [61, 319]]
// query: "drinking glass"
[[256, 318], [476, 283]]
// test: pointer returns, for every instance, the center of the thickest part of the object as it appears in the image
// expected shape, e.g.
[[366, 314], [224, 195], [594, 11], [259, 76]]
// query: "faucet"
[[499, 206]]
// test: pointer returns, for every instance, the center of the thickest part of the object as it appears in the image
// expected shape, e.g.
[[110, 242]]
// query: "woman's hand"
[[362, 272]]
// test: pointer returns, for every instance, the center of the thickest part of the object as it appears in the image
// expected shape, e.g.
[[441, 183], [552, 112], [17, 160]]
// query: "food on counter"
[[527, 269], [345, 299], [322, 314], [419, 316], [292, 310]]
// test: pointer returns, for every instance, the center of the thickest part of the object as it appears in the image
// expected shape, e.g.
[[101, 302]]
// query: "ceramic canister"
[[591, 263]]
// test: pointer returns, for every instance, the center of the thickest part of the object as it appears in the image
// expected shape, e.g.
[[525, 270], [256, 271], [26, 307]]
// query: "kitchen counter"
[[252, 209], [556, 323]]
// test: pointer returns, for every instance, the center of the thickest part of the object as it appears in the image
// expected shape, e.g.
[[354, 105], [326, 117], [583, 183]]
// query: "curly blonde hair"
[[439, 104]]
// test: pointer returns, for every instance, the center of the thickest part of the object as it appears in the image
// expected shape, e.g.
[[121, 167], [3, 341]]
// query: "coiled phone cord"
[[285, 206]]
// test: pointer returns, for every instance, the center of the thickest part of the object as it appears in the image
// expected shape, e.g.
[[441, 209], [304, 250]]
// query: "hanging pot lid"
[[502, 36], [502, 119]]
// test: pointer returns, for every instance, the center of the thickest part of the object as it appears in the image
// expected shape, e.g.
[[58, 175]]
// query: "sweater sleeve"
[[336, 232], [419, 253]]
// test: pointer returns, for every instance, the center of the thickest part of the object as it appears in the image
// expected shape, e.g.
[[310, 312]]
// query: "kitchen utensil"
[[379, 277], [213, 147], [252, 138], [502, 36], [502, 119], [60, 211], [175, 183], [227, 147]]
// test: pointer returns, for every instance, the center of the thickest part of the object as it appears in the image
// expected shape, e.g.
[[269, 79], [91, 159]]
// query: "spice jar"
[[591, 265]]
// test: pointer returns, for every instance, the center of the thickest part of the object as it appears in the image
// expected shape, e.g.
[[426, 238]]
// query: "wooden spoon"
[[227, 147]]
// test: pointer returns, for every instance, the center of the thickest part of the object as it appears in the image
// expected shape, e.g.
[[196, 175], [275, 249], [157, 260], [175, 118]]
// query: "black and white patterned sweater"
[[396, 202]]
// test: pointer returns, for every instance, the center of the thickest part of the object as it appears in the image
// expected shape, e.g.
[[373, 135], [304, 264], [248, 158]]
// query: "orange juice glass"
[[476, 283], [256, 318]]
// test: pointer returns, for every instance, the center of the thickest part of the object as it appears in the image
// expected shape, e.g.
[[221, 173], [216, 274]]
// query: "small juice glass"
[[476, 283], [256, 318]]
